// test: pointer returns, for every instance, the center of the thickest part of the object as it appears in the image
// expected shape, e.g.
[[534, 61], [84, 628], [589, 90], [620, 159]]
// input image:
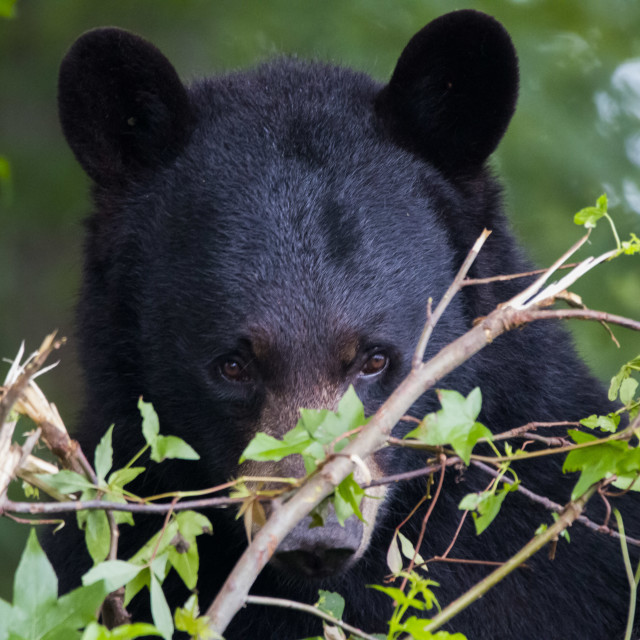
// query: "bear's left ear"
[[122, 105], [453, 91]]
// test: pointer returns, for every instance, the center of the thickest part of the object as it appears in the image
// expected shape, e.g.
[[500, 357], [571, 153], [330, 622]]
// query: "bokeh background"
[[576, 134]]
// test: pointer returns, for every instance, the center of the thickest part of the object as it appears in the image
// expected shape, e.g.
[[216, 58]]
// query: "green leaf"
[[172, 447], [188, 619], [119, 478], [628, 391], [104, 455], [184, 559], [598, 461], [314, 429], [78, 607], [485, 506], [65, 481], [589, 216], [349, 416], [95, 631], [408, 550], [625, 371], [348, 496], [627, 483], [609, 422], [416, 628], [37, 612], [394, 557], [454, 424], [136, 585], [265, 447], [160, 609], [115, 574], [35, 585], [631, 246], [97, 535], [150, 423], [331, 603]]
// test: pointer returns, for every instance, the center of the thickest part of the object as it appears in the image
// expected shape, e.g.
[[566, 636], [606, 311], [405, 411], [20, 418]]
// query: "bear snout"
[[320, 552]]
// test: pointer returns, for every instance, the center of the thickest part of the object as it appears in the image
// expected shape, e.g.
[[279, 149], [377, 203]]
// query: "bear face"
[[263, 240]]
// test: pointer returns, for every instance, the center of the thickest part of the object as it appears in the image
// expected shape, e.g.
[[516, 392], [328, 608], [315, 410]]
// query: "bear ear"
[[122, 106], [453, 91]]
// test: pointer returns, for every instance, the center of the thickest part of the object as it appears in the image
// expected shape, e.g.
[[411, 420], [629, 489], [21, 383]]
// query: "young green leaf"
[[631, 246], [97, 535], [347, 499], [486, 505], [160, 611], [598, 461], [589, 216], [454, 424], [625, 372], [609, 422], [104, 455], [37, 612], [35, 585], [331, 603], [315, 429], [65, 481], [408, 550], [264, 447], [172, 447], [188, 619], [394, 557], [95, 631], [115, 574], [628, 391], [121, 477], [150, 423]]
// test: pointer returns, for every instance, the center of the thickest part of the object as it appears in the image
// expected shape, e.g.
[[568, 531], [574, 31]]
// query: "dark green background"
[[576, 134]]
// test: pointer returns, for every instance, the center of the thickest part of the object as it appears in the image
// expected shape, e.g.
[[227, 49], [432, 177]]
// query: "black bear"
[[261, 241]]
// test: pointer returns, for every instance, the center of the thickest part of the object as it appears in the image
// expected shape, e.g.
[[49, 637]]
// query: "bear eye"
[[234, 371], [375, 364]]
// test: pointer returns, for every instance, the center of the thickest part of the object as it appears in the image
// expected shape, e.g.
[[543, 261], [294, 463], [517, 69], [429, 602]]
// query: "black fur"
[[276, 217]]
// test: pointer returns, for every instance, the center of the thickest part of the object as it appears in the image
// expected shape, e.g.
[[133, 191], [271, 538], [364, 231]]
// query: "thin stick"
[[521, 299], [512, 276], [427, 515], [307, 608], [580, 314], [454, 287]]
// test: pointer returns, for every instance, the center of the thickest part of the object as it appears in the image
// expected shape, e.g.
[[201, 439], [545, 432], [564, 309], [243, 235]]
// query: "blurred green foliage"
[[576, 134]]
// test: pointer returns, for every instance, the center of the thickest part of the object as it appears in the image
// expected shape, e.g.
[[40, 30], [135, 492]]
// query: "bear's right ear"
[[453, 91], [122, 105]]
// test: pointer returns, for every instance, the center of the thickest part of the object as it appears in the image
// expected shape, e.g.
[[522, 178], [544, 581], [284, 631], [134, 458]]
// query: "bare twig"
[[580, 314], [423, 527], [512, 276], [454, 287]]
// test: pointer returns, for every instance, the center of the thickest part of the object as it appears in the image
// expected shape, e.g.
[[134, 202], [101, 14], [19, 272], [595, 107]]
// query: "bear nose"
[[320, 552], [318, 563]]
